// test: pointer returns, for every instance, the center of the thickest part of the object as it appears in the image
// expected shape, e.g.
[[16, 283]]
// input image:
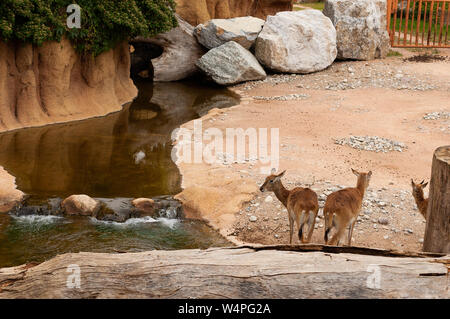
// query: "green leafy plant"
[[104, 23]]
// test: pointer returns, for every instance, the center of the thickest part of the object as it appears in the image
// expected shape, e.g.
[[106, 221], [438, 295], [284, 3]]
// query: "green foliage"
[[393, 53], [104, 23]]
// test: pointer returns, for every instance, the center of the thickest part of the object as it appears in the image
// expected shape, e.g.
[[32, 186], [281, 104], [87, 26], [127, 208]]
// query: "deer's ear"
[[425, 185], [369, 174], [273, 171], [282, 174], [412, 183], [355, 172]]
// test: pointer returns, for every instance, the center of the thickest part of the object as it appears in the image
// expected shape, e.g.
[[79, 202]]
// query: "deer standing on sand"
[[421, 201], [342, 209], [301, 203]]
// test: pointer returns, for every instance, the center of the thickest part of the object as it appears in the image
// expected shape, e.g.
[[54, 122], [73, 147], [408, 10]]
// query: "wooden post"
[[437, 231]]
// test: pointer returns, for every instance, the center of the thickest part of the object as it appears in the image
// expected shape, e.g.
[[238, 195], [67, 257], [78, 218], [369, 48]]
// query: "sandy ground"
[[386, 98]]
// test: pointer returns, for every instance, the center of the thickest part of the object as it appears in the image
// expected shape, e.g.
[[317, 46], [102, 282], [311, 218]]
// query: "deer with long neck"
[[301, 203], [342, 209], [421, 201]]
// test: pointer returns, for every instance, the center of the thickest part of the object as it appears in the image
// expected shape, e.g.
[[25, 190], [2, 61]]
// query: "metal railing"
[[419, 23]]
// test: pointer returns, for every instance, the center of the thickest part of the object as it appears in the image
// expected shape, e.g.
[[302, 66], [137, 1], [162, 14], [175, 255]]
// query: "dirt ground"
[[389, 98]]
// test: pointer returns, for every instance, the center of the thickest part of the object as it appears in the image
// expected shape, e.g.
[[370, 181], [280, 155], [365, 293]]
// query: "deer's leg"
[[340, 231], [291, 228], [350, 232], [329, 224], [311, 223], [301, 223]]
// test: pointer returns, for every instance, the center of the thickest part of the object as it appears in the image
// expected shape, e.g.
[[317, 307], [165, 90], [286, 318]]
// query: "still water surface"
[[125, 154]]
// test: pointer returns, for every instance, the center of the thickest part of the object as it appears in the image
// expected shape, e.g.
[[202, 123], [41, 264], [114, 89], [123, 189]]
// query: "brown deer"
[[342, 209], [421, 201], [301, 203]]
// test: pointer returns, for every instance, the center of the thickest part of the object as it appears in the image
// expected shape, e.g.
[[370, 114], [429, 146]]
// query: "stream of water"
[[122, 155]]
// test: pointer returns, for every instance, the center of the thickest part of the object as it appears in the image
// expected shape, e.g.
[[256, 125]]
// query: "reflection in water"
[[125, 154]]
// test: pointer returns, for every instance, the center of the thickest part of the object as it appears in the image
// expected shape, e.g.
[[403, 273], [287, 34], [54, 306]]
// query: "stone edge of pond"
[[9, 194], [208, 197]]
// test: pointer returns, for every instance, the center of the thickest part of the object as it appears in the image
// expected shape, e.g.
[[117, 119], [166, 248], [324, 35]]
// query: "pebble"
[[253, 218], [269, 199], [383, 221]]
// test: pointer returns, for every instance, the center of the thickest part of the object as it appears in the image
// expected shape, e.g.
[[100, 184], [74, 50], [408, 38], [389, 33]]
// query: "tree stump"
[[437, 231]]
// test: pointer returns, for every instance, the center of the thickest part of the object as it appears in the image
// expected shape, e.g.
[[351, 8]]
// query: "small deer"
[[301, 203], [421, 201], [342, 209]]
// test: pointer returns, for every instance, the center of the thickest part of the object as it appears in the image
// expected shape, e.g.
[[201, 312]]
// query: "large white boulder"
[[243, 30], [297, 42], [230, 64], [361, 28]]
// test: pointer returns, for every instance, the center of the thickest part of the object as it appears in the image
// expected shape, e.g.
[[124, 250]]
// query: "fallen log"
[[304, 271]]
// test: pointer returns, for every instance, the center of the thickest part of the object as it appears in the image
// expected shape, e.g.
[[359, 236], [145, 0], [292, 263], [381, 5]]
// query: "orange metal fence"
[[419, 23]]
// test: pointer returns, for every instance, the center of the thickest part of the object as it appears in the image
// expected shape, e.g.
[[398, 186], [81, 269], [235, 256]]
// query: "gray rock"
[[297, 42], [361, 28], [243, 30], [181, 52], [230, 64]]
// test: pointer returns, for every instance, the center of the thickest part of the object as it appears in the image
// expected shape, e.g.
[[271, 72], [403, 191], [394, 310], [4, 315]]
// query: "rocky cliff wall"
[[52, 83], [199, 11]]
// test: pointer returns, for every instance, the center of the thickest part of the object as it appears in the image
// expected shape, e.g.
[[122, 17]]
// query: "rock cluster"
[[297, 42], [105, 209], [372, 143]]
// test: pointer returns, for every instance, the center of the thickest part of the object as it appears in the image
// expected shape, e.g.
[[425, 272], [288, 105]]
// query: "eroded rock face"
[[200, 11], [181, 51], [230, 64], [361, 28], [82, 205], [52, 83], [216, 32], [297, 42]]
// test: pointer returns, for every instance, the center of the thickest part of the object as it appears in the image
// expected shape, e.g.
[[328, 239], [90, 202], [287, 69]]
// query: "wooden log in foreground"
[[306, 271], [437, 231]]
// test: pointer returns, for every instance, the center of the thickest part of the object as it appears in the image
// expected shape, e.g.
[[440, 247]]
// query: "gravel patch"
[[437, 116], [372, 143], [354, 75], [288, 97]]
